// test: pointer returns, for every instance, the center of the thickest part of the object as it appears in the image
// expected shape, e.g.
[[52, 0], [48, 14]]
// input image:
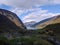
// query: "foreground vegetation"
[[24, 40], [31, 37], [53, 29], [34, 37]]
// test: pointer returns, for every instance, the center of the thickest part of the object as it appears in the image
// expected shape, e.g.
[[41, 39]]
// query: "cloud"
[[17, 11], [31, 7], [38, 15], [26, 4], [54, 1]]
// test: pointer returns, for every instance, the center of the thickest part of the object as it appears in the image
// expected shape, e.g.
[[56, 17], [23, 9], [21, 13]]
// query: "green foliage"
[[29, 41], [53, 27], [40, 31], [3, 41], [23, 41]]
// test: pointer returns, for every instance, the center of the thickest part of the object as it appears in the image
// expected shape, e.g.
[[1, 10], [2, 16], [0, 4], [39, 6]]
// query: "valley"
[[14, 32]]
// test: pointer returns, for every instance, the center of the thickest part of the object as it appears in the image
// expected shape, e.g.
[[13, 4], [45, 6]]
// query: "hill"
[[13, 17], [10, 24], [28, 24], [43, 23]]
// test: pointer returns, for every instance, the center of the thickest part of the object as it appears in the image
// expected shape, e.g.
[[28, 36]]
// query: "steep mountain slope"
[[53, 20], [10, 24], [13, 17], [6, 25]]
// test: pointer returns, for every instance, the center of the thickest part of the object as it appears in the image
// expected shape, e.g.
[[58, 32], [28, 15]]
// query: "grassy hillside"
[[54, 20], [23, 41], [53, 29]]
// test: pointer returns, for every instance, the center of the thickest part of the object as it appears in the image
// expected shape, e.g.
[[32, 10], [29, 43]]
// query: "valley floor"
[[31, 37]]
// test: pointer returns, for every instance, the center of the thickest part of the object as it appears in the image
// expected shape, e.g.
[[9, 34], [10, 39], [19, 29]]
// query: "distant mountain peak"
[[28, 24]]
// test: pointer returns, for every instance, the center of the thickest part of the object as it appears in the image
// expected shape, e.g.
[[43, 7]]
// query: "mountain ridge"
[[10, 24], [13, 17], [47, 21]]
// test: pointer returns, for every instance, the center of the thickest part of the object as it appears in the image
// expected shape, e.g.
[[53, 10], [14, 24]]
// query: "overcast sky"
[[32, 10]]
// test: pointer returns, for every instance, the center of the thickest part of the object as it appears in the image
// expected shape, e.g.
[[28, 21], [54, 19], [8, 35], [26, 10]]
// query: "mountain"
[[13, 17], [28, 24], [9, 23], [43, 23], [53, 27]]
